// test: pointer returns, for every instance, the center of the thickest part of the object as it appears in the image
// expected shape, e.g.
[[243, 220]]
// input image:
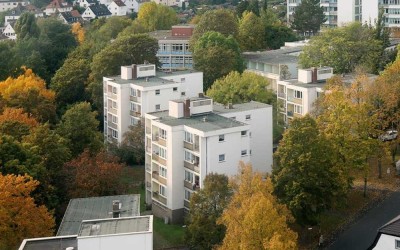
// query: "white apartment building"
[[141, 89], [194, 138], [296, 96], [174, 50]]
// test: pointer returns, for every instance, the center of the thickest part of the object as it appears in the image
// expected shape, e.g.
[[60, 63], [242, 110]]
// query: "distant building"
[[174, 50], [70, 17], [141, 89], [10, 4], [194, 138], [16, 12], [388, 237], [167, 2], [96, 11], [9, 31], [57, 6], [87, 3], [117, 8]]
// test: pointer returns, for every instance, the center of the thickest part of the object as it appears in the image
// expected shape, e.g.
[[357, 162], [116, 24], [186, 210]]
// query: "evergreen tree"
[[308, 16]]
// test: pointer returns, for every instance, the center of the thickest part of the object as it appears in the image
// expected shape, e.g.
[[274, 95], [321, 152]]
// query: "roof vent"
[[70, 248], [116, 208], [204, 118], [230, 105]]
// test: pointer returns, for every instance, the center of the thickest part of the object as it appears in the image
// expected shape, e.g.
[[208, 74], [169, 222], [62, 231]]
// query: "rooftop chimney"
[[116, 210], [186, 108], [314, 75], [134, 71]]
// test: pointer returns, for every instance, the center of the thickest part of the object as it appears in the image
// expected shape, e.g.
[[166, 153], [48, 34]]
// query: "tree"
[[240, 88], [305, 177], [308, 16], [79, 32], [93, 175], [26, 26], [157, 17], [16, 123], [29, 92], [276, 36], [216, 55], [254, 218], [343, 49], [20, 217], [251, 32], [6, 51], [241, 8], [80, 127], [206, 206], [254, 7], [221, 20]]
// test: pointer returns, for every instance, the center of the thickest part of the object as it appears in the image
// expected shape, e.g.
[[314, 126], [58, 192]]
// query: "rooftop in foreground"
[[283, 55], [50, 243], [221, 109]]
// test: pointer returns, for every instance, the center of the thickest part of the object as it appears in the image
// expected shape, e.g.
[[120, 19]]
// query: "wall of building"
[[121, 242], [386, 242]]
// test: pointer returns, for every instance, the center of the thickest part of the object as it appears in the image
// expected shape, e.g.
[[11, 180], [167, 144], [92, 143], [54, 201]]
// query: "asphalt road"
[[361, 234]]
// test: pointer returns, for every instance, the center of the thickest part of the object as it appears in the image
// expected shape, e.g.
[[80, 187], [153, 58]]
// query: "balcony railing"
[[192, 166], [191, 186], [191, 146], [159, 198], [295, 100], [112, 125], [186, 204], [134, 98], [135, 113], [148, 150], [281, 94], [159, 178], [158, 159], [112, 95], [148, 184], [148, 130]]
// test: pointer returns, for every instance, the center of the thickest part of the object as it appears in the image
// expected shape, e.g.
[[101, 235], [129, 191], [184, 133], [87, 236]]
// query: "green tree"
[[308, 16], [6, 66], [26, 27], [216, 55], [206, 206], [254, 218], [241, 8], [277, 35], [254, 7], [157, 17], [305, 177], [343, 49], [79, 126], [251, 32]]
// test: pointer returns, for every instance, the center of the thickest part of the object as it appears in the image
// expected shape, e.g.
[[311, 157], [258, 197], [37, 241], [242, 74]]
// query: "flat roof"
[[115, 226], [50, 243], [221, 109], [205, 122], [278, 56], [166, 35], [96, 208]]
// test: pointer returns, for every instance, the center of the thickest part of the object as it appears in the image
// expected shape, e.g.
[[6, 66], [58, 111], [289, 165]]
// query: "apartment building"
[[141, 89], [173, 52], [296, 96], [194, 138]]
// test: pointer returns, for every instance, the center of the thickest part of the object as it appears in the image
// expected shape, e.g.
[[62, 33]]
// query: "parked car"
[[389, 135]]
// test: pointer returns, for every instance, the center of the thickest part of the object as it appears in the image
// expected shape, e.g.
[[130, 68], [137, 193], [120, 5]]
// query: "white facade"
[[387, 242], [8, 5], [192, 139], [137, 91], [167, 2], [10, 32], [57, 6], [132, 5], [117, 8]]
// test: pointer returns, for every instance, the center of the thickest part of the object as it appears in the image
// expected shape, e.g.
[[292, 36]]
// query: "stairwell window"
[[157, 91], [221, 157]]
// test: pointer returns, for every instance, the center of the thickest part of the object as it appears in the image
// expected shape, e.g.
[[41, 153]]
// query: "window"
[[397, 244], [221, 138], [189, 176], [114, 90], [157, 91], [134, 121], [114, 105], [133, 92], [183, 93], [243, 133], [187, 195], [158, 106], [114, 134], [244, 152], [162, 133], [175, 89], [248, 117], [250, 152], [221, 158], [114, 119], [189, 157], [163, 190], [188, 137], [298, 94], [298, 109], [163, 153], [163, 172]]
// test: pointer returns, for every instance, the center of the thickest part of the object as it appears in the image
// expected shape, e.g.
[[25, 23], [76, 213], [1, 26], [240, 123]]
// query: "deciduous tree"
[[254, 218], [26, 26], [251, 32], [157, 17], [20, 217], [16, 123], [206, 206], [79, 32]]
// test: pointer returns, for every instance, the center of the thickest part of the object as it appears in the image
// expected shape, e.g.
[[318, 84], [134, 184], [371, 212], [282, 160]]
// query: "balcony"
[[191, 146], [112, 125], [159, 140], [158, 159], [191, 186], [135, 98], [159, 198], [192, 166], [186, 204], [112, 95], [113, 111], [295, 100], [282, 95], [148, 184], [148, 167], [135, 113], [148, 150], [156, 176], [290, 113]]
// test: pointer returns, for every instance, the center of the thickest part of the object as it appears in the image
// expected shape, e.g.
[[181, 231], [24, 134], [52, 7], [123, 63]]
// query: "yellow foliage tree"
[[20, 217], [79, 32], [17, 115], [254, 219], [29, 92]]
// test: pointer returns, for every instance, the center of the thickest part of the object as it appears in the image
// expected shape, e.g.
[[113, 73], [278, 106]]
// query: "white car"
[[389, 135]]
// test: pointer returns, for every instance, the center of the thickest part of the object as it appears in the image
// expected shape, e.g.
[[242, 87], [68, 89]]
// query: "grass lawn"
[[166, 236]]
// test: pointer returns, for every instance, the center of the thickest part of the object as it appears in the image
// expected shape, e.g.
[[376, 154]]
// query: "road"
[[361, 234]]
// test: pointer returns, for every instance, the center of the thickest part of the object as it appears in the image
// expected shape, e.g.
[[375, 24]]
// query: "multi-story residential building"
[[174, 47], [139, 90], [194, 138]]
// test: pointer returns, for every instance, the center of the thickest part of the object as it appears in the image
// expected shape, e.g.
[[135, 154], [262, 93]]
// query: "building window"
[[248, 117], [158, 106], [175, 89], [114, 134], [157, 91], [298, 109], [163, 172], [114, 119], [162, 133], [221, 138], [244, 152], [243, 133], [298, 94], [188, 137], [134, 121], [133, 92], [163, 153], [163, 190], [397, 244], [189, 157], [114, 105], [187, 195], [114, 90], [189, 176], [221, 157]]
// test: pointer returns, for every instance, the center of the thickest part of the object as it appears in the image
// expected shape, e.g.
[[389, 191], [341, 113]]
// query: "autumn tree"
[[156, 16], [305, 177], [29, 92], [79, 32], [93, 175], [343, 48], [80, 127], [216, 55], [20, 217], [16, 123], [206, 206], [308, 16], [254, 218], [251, 32]]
